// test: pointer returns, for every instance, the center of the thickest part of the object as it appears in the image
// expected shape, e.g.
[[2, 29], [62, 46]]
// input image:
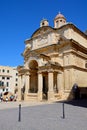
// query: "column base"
[[40, 97], [19, 98], [51, 96], [26, 98]]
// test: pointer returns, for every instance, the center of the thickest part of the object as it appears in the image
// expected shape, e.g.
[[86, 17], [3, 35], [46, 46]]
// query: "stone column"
[[40, 86], [60, 83], [50, 86], [19, 87], [27, 85]]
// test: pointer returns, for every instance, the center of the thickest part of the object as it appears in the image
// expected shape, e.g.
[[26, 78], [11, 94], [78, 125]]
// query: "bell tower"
[[59, 20]]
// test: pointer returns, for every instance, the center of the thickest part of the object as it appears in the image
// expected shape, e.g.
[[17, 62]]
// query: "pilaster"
[[50, 86], [40, 86], [19, 87], [27, 85]]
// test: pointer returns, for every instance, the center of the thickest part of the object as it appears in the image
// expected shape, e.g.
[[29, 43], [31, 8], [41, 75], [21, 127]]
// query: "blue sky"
[[20, 18]]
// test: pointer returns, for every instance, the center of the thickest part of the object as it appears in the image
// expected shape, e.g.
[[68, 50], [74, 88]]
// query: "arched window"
[[43, 23]]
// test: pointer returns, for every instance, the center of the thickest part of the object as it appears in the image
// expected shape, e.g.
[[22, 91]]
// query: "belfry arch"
[[33, 69]]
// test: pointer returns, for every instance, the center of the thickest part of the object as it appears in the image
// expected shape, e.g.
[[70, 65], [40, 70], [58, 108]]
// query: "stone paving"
[[43, 116]]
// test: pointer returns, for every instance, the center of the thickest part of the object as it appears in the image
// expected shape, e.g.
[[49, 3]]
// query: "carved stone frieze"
[[42, 40]]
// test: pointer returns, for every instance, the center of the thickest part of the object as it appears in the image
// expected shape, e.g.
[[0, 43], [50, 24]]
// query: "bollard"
[[19, 118], [63, 111]]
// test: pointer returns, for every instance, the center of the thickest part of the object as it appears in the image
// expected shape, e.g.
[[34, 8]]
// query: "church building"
[[55, 58]]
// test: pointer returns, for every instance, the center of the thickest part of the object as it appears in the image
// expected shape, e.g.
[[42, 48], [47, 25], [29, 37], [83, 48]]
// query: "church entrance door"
[[45, 87]]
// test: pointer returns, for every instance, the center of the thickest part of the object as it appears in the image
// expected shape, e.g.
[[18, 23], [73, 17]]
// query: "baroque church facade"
[[55, 58]]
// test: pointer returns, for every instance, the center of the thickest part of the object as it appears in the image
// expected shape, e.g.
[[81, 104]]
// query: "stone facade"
[[54, 60], [8, 79]]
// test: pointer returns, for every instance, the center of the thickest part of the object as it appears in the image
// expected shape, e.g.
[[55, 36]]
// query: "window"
[[43, 23], [3, 70], [7, 84], [16, 74], [16, 84], [3, 77], [2, 83], [8, 78], [7, 71], [16, 79], [60, 20], [6, 89]]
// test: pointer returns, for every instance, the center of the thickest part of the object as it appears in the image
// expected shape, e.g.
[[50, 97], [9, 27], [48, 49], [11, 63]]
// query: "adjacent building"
[[8, 79], [55, 58]]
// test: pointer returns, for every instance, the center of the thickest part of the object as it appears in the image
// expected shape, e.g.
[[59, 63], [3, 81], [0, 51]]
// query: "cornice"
[[70, 25], [22, 70], [52, 67], [75, 67], [78, 46], [77, 53]]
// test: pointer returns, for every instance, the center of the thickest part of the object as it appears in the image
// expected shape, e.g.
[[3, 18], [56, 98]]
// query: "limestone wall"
[[81, 78], [45, 40], [80, 62], [76, 60], [71, 33], [77, 37]]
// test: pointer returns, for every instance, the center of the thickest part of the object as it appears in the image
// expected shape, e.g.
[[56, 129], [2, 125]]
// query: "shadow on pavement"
[[79, 102]]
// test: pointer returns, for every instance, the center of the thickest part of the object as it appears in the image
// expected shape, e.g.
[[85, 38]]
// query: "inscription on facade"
[[42, 41]]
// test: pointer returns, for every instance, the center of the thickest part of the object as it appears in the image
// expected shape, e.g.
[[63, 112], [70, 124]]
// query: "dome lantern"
[[44, 22], [59, 20]]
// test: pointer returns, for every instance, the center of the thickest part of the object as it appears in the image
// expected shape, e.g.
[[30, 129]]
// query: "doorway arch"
[[33, 66]]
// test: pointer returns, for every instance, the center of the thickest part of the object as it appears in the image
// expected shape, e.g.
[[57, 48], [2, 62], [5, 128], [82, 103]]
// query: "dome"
[[44, 22], [59, 15], [59, 20]]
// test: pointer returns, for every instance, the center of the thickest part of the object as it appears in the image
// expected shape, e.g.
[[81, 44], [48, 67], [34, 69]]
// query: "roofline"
[[65, 25], [40, 28], [73, 26], [36, 31], [75, 42]]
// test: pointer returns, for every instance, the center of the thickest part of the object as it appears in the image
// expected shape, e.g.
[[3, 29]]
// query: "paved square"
[[45, 117]]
